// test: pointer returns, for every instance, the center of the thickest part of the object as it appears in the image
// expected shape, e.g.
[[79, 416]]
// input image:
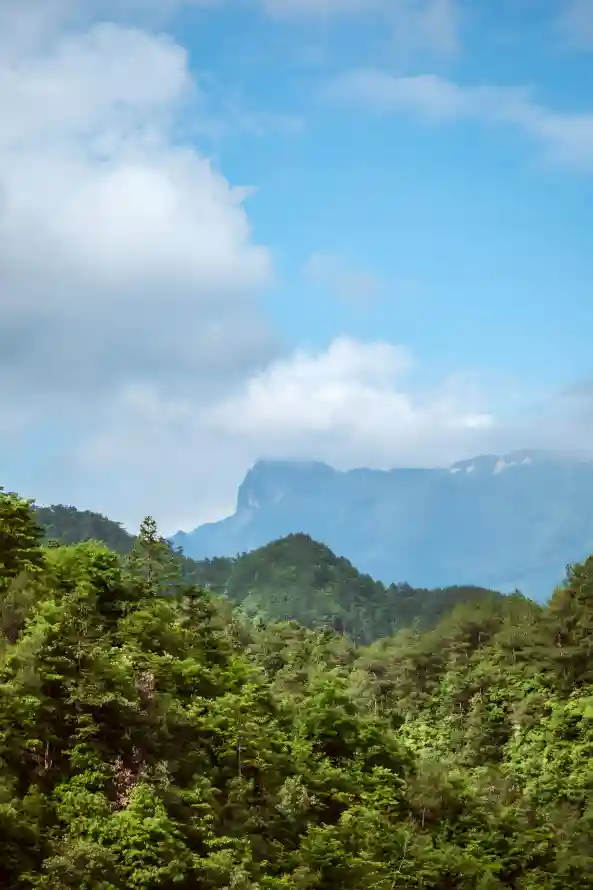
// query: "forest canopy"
[[153, 735]]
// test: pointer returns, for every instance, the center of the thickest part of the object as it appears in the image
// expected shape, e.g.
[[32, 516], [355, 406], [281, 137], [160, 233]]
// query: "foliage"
[[68, 525], [292, 579], [153, 738]]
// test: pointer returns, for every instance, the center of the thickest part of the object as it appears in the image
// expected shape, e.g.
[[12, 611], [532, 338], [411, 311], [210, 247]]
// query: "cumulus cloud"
[[566, 138], [353, 403], [122, 250], [126, 257]]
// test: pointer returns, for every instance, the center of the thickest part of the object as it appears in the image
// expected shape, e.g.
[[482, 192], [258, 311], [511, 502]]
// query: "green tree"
[[20, 537], [153, 738], [153, 560], [570, 622]]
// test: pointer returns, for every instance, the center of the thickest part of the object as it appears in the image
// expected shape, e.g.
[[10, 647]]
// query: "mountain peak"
[[269, 481]]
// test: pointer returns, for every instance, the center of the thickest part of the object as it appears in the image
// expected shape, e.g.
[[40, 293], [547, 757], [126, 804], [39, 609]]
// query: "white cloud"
[[352, 403], [120, 247], [566, 138], [126, 259], [426, 94], [85, 84]]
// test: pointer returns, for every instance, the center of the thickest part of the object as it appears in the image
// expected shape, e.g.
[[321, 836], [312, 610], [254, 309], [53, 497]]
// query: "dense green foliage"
[[157, 742], [294, 578], [68, 525]]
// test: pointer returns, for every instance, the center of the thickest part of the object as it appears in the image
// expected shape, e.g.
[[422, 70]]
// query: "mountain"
[[294, 578], [502, 522], [70, 526]]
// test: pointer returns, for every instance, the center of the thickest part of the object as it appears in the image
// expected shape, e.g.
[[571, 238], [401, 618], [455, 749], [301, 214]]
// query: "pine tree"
[[571, 622], [153, 560]]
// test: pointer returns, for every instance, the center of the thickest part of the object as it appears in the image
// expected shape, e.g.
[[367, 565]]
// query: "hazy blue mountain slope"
[[502, 522]]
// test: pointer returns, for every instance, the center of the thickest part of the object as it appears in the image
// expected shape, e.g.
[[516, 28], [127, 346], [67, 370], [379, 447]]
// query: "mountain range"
[[292, 579], [506, 522]]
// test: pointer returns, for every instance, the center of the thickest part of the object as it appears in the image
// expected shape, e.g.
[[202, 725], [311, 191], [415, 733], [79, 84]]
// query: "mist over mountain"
[[498, 521]]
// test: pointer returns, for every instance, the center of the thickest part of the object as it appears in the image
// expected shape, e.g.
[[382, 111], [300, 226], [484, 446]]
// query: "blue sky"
[[410, 279], [482, 247]]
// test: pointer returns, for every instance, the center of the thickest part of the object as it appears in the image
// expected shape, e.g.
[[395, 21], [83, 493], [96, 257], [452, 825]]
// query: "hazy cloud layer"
[[564, 138]]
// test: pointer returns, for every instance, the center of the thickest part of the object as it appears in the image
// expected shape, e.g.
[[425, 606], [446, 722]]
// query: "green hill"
[[293, 578], [68, 525], [300, 579]]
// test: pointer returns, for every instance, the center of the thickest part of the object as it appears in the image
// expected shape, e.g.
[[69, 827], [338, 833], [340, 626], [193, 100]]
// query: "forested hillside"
[[294, 578], [155, 741], [68, 525]]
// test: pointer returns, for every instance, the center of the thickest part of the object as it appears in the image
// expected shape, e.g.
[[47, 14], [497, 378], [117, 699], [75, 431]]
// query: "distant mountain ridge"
[[497, 521], [294, 578]]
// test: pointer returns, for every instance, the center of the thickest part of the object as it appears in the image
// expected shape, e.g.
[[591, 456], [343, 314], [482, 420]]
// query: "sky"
[[356, 231]]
